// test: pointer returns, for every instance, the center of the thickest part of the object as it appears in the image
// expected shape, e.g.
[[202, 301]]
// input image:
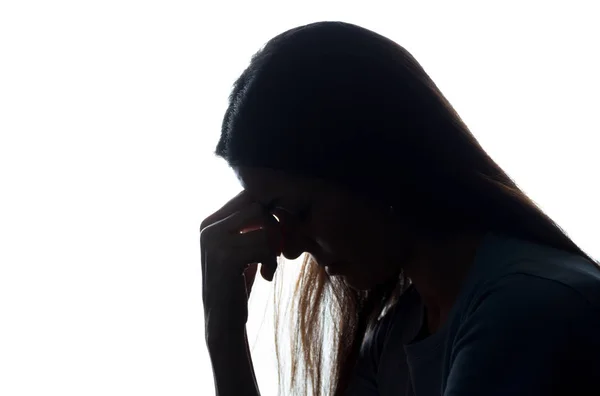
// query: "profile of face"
[[342, 232]]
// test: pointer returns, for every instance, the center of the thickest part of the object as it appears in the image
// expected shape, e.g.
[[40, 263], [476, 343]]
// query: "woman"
[[434, 273]]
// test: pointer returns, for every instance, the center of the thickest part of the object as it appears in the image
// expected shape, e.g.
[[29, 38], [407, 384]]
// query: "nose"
[[294, 243], [291, 247], [292, 255]]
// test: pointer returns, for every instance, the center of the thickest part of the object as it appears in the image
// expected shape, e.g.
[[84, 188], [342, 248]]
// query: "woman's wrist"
[[232, 364], [219, 335]]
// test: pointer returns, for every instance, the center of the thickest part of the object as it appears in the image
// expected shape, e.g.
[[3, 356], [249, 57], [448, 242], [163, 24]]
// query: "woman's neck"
[[438, 271]]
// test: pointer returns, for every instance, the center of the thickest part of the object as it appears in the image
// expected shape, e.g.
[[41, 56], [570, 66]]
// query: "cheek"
[[361, 240], [345, 236], [333, 232]]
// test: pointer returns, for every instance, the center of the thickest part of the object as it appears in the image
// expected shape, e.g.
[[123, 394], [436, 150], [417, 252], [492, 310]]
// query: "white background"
[[109, 114]]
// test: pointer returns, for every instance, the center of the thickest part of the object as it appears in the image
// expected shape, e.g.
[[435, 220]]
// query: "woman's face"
[[342, 232]]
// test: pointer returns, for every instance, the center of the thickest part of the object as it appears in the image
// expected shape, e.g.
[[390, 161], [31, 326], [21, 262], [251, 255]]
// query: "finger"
[[252, 218], [235, 223], [236, 204], [269, 235], [235, 252]]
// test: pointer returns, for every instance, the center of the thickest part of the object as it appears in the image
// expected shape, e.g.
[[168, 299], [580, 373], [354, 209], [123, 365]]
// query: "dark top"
[[526, 322]]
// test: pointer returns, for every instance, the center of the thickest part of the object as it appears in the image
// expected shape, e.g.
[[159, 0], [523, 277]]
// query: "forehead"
[[266, 184]]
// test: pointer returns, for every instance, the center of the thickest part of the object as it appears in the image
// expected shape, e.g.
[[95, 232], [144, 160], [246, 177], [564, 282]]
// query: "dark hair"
[[339, 102]]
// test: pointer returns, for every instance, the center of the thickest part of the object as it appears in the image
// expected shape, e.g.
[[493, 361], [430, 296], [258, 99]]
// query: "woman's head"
[[344, 136], [334, 107], [338, 102]]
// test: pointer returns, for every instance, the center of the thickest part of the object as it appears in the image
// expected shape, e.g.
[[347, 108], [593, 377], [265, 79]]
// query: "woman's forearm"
[[232, 365]]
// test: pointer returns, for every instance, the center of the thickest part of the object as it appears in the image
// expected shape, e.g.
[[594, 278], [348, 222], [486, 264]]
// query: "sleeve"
[[525, 336]]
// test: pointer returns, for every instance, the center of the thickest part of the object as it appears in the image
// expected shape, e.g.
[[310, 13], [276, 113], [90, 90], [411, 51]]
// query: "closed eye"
[[298, 215], [279, 211]]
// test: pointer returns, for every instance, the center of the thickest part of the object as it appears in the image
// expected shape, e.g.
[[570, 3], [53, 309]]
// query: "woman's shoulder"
[[511, 266], [521, 293], [539, 315]]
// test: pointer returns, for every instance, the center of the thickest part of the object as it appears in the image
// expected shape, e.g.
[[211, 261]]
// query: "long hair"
[[339, 102]]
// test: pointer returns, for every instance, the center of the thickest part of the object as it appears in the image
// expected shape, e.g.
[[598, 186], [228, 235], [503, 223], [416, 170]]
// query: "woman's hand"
[[233, 241]]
